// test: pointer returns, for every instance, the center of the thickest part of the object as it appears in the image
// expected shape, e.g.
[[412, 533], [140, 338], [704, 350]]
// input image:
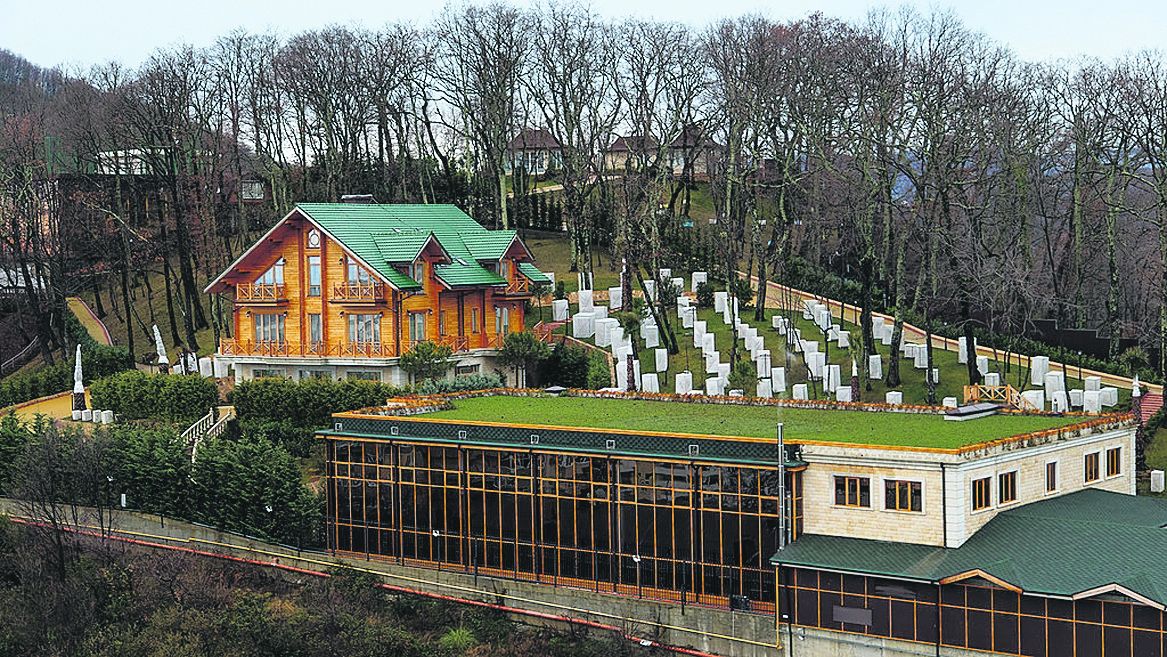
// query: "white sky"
[[84, 32]]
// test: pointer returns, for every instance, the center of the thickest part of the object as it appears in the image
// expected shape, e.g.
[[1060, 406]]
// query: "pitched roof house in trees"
[[342, 290], [693, 153], [535, 151], [627, 151]]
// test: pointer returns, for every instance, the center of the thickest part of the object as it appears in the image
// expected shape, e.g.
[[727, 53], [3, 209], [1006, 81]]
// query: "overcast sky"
[[84, 32]]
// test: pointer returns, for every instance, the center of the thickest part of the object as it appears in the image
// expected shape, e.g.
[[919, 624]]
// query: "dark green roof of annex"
[[1060, 547], [384, 234]]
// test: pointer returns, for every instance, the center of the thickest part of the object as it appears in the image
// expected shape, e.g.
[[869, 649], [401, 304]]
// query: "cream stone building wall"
[[947, 518]]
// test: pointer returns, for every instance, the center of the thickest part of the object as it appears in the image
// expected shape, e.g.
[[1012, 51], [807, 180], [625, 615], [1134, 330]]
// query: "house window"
[[502, 324], [269, 328], [463, 370], [273, 276], [1113, 461], [417, 271], [982, 493], [315, 329], [358, 274], [1091, 467], [364, 329], [416, 327], [1007, 487], [363, 375], [474, 321], [504, 269], [903, 496], [268, 374], [853, 491], [1051, 476], [315, 374], [313, 276], [442, 322]]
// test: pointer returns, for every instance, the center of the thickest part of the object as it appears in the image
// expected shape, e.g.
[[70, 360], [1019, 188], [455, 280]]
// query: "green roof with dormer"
[[383, 235]]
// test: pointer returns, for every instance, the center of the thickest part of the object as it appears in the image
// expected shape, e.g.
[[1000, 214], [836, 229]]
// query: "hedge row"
[[96, 361], [135, 395]]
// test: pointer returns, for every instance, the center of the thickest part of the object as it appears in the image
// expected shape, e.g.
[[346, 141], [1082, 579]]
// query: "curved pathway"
[[89, 320]]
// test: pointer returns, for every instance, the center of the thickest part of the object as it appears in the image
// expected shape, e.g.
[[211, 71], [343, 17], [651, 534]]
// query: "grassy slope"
[[115, 319], [756, 421]]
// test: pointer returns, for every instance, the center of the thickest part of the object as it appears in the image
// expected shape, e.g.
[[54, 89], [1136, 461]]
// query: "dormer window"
[[273, 276], [417, 271], [504, 269]]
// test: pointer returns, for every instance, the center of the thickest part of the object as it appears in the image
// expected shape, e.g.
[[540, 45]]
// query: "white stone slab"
[[1157, 481], [894, 398], [604, 331], [1055, 382], [720, 298], [992, 379], [712, 360], [815, 362], [615, 298], [651, 337], [948, 402], [878, 326], [107, 417], [617, 332], [689, 318], [799, 391], [822, 318], [707, 344], [723, 370], [601, 312], [583, 325], [921, 360], [649, 290], [763, 362], [936, 375], [1092, 401], [778, 379], [697, 279], [983, 365], [1076, 397], [699, 330], [665, 273], [584, 300], [810, 346], [649, 383], [777, 322], [764, 389], [1094, 383], [1059, 401], [833, 379], [844, 338], [683, 383], [1109, 396], [1035, 397], [661, 360], [962, 350], [885, 339], [1038, 368], [808, 306], [206, 367], [874, 367], [559, 310], [833, 333], [677, 283], [713, 386]]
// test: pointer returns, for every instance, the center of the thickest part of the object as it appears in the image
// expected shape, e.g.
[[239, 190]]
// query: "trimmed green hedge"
[[96, 361], [134, 395]]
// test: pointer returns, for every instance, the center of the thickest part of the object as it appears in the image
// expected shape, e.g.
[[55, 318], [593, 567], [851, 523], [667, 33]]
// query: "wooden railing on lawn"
[[364, 292], [256, 292], [1006, 394]]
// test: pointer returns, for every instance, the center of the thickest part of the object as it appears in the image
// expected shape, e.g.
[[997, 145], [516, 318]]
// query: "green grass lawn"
[[859, 427]]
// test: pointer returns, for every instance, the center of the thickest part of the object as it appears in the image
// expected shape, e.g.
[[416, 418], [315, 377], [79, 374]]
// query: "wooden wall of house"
[[291, 243]]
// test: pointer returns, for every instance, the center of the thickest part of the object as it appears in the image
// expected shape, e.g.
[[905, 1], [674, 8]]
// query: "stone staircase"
[[1148, 405], [211, 425]]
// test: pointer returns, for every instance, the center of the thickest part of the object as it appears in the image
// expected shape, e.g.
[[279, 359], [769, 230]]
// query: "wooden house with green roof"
[[342, 290]]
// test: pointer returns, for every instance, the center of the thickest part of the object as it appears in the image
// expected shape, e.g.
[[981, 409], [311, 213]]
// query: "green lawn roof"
[[384, 234], [844, 426], [1062, 546]]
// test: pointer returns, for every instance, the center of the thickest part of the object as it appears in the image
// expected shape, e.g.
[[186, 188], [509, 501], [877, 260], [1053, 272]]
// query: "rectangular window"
[[474, 321], [273, 276], [315, 374], [1007, 487], [504, 269], [268, 373], [363, 375], [442, 322], [1051, 476], [1091, 467], [417, 271], [417, 327], [358, 274], [313, 276], [502, 324], [902, 495], [315, 330], [982, 492], [1113, 461], [269, 328], [463, 370], [364, 329], [853, 491]]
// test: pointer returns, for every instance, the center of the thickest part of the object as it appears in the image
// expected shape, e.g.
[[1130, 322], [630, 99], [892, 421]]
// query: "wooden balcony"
[[455, 342], [260, 293], [358, 292], [367, 350], [518, 287], [231, 347]]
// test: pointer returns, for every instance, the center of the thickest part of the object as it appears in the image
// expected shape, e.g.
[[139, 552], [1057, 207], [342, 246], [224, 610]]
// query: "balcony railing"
[[233, 347], [260, 292], [230, 347], [359, 292], [367, 349], [519, 285], [455, 342]]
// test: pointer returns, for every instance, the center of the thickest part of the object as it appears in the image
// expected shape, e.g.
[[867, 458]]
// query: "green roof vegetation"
[[393, 233], [844, 426], [1062, 546]]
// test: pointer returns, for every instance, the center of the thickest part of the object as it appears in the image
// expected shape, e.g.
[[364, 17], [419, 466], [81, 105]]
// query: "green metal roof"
[[1062, 546], [531, 272], [383, 234]]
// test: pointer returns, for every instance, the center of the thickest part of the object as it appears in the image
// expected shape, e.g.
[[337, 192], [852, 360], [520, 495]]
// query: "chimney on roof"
[[362, 199]]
